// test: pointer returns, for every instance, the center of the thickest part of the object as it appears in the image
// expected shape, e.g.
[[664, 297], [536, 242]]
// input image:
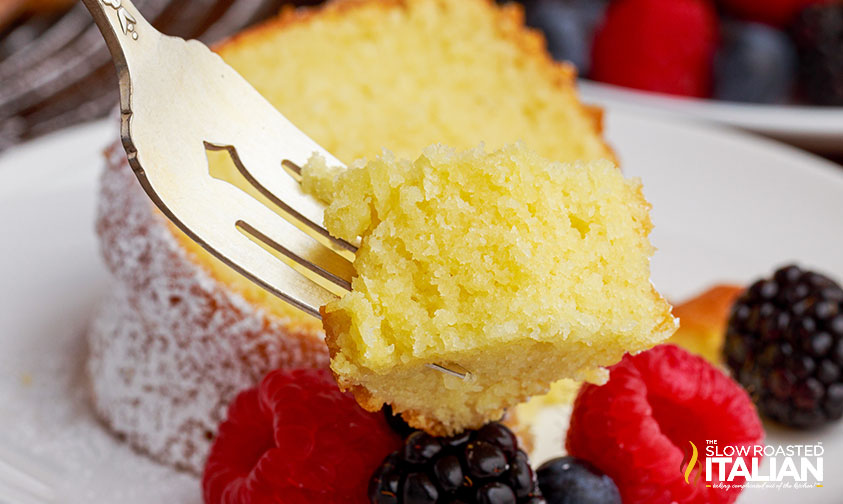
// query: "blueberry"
[[755, 63], [568, 26], [568, 480]]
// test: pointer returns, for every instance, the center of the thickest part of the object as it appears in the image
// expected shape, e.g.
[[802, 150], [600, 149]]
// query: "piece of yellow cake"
[[520, 270]]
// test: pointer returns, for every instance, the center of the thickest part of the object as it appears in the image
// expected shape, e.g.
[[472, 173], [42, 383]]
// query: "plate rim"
[[813, 121]]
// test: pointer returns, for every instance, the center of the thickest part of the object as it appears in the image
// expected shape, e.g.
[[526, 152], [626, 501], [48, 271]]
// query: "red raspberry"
[[296, 439], [775, 12], [636, 428], [665, 46]]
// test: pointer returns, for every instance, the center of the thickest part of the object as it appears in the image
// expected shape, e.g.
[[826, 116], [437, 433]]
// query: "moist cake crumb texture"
[[521, 270]]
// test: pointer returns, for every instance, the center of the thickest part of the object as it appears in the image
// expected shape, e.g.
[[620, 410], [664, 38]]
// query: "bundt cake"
[[184, 332], [519, 269]]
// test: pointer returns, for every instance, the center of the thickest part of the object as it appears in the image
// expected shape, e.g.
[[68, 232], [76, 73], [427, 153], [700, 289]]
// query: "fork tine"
[[209, 209], [279, 277], [292, 285], [337, 271], [271, 179], [342, 283], [262, 160]]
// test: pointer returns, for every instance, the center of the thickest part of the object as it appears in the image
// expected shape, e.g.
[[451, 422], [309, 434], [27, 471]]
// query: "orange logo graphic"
[[689, 462]]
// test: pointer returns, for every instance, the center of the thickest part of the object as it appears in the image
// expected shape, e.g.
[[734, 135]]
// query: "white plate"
[[815, 128], [727, 207]]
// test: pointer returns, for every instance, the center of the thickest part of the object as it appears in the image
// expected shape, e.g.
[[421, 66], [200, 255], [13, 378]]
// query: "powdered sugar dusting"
[[173, 346]]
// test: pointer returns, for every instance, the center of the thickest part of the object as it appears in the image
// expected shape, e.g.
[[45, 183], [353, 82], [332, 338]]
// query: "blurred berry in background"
[[818, 32], [657, 45], [779, 13], [754, 51], [568, 26], [754, 63]]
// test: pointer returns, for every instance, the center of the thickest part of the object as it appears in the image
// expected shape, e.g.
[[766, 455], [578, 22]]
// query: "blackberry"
[[818, 34], [784, 344], [476, 467]]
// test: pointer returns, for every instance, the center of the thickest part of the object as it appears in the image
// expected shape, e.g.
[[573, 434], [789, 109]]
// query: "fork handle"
[[129, 38]]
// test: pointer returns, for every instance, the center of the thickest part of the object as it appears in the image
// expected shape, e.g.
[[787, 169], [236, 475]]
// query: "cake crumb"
[[521, 270]]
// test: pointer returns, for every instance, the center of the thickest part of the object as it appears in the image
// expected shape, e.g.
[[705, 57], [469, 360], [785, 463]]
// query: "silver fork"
[[177, 101]]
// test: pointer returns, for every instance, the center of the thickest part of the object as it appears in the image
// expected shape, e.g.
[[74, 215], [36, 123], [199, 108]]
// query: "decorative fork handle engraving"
[[115, 18], [127, 21]]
